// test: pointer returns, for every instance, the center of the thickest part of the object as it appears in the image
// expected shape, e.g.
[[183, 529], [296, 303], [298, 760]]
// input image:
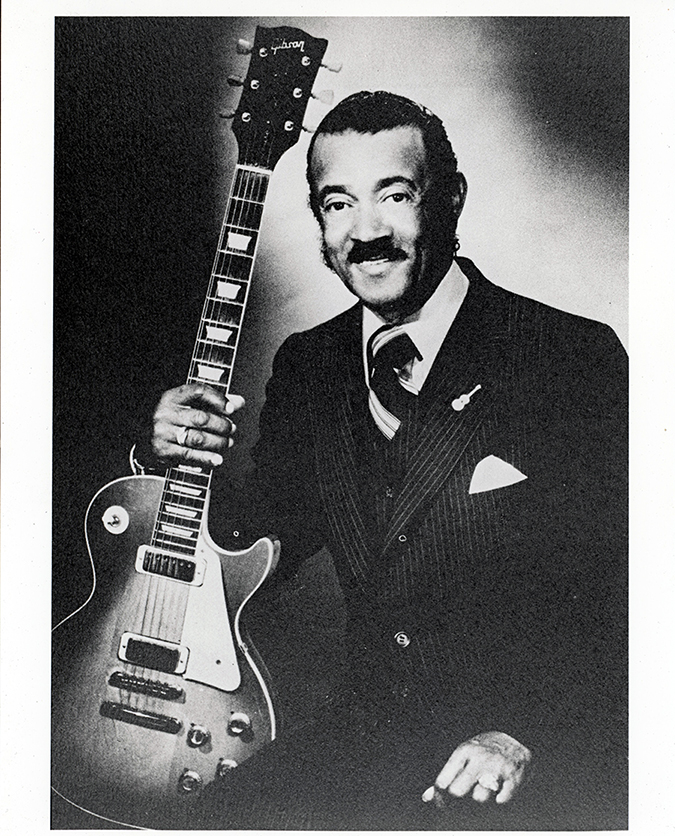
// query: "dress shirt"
[[427, 327]]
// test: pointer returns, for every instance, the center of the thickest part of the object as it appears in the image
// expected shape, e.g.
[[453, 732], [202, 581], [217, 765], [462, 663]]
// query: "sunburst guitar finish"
[[157, 690]]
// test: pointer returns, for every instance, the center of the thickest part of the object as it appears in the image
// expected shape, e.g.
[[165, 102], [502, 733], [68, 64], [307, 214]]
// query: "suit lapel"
[[473, 353], [337, 386]]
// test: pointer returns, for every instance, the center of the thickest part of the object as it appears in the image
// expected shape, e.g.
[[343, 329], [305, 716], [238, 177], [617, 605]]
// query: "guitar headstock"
[[277, 87]]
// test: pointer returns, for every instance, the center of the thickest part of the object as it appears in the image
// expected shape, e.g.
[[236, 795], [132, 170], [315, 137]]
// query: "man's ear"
[[459, 190]]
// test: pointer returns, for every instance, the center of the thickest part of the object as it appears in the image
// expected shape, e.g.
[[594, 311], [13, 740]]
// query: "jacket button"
[[402, 538], [402, 639]]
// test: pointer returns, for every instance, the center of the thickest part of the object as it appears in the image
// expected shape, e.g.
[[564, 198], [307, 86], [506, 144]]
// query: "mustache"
[[371, 250]]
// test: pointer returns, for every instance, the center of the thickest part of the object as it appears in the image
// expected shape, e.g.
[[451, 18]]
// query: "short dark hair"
[[370, 113]]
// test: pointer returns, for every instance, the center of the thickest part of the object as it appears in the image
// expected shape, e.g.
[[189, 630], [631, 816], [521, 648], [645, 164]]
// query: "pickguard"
[[207, 632]]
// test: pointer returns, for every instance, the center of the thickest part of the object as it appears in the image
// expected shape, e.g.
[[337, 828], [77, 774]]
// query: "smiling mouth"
[[375, 266]]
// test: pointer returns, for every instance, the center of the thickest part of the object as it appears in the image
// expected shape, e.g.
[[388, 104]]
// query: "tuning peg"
[[235, 81], [244, 47], [324, 96], [333, 66]]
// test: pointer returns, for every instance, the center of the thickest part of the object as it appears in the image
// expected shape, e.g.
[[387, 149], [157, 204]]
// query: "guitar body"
[[133, 742]]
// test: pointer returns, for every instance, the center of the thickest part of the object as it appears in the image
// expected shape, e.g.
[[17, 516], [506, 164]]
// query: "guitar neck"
[[217, 340], [185, 495], [268, 121]]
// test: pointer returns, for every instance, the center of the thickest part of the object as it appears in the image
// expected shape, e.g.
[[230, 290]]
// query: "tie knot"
[[389, 349]]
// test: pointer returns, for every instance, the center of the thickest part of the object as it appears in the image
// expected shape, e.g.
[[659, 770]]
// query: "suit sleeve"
[[278, 496]]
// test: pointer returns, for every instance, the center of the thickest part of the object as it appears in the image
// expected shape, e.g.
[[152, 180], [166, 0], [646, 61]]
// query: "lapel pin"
[[459, 403]]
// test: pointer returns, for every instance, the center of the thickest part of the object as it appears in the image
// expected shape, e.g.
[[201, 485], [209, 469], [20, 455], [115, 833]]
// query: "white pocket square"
[[493, 472]]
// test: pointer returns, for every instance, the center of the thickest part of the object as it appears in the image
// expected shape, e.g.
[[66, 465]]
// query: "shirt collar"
[[428, 326]]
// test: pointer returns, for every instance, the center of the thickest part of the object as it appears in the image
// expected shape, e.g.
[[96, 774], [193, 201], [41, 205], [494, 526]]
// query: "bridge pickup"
[[153, 653], [151, 561], [147, 719], [149, 687]]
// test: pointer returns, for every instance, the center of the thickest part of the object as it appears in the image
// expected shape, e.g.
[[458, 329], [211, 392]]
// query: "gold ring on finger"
[[489, 782]]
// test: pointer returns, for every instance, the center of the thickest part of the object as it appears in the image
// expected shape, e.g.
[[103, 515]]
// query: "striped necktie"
[[389, 351]]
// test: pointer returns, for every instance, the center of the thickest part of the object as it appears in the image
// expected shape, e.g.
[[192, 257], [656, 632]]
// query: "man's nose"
[[369, 224]]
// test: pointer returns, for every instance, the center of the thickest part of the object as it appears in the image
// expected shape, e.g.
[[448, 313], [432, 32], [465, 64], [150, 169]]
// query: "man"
[[461, 452]]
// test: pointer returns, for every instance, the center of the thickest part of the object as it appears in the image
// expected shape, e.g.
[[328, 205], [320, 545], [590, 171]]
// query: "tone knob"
[[190, 781], [240, 723], [225, 766], [198, 736]]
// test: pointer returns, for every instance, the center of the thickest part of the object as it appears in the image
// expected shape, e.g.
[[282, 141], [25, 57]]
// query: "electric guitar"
[[157, 692]]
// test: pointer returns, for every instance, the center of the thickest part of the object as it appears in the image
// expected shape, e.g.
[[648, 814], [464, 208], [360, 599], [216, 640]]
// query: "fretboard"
[[186, 489], [218, 336]]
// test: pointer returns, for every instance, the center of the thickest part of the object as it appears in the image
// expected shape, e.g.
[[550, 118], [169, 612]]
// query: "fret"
[[178, 531], [186, 525], [189, 475], [185, 490], [214, 354], [232, 265], [209, 374], [213, 329], [248, 200], [186, 506], [224, 315], [245, 213], [177, 511], [229, 291], [170, 545], [240, 241], [237, 251], [250, 184], [217, 336]]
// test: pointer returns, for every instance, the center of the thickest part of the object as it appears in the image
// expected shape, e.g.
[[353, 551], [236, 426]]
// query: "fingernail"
[[428, 795], [217, 459]]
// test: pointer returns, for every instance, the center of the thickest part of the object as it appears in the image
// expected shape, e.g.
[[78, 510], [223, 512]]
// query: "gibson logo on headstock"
[[282, 43]]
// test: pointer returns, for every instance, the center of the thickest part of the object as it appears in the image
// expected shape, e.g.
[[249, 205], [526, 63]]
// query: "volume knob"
[[240, 723], [198, 736], [190, 781]]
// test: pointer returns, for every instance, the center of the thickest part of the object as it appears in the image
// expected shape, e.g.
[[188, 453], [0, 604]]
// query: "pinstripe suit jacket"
[[512, 600]]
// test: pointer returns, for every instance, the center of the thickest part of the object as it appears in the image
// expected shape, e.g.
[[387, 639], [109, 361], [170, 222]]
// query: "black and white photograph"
[[338, 503]]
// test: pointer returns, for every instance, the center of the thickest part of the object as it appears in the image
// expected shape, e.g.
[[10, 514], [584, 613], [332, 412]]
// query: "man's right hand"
[[193, 425]]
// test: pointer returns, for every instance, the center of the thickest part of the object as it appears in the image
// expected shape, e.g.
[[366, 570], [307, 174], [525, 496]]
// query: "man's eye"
[[398, 197], [335, 206]]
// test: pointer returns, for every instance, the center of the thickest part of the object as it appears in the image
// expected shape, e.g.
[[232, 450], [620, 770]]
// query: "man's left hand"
[[490, 765]]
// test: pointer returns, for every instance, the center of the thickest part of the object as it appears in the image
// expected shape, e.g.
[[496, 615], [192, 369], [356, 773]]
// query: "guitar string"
[[161, 594]]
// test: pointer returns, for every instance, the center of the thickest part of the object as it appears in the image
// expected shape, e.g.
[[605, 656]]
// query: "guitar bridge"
[[137, 717], [149, 687]]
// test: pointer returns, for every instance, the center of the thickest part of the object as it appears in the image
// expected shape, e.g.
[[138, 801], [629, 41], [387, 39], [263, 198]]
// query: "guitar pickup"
[[150, 561], [155, 654]]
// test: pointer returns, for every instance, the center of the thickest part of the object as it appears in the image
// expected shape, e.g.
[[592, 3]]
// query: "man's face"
[[369, 189]]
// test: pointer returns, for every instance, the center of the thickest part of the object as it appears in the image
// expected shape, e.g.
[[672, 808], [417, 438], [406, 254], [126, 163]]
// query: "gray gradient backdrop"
[[536, 108]]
